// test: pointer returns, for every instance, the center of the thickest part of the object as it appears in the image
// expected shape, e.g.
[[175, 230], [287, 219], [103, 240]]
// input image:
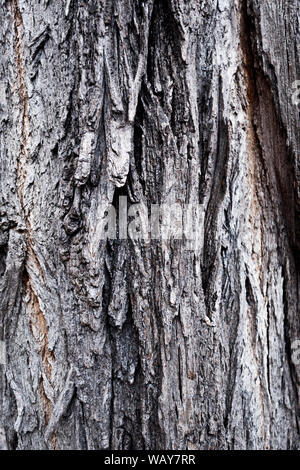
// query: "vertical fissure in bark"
[[25, 124], [267, 135], [217, 192], [23, 156], [272, 173], [39, 330], [38, 321]]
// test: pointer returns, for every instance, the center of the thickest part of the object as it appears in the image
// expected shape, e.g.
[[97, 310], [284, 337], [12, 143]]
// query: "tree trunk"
[[135, 343]]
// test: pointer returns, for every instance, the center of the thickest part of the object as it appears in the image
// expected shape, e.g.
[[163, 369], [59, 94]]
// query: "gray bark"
[[131, 344]]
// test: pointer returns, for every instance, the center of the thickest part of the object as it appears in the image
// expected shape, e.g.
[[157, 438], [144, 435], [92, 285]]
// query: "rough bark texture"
[[128, 344]]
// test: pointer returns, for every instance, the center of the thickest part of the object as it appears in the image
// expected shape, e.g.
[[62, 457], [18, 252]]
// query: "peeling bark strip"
[[139, 343]]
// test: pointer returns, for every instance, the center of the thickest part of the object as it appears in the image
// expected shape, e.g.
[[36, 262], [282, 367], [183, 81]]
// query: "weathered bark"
[[130, 344]]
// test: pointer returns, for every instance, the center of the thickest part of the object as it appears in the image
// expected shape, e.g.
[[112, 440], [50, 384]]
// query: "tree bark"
[[138, 344]]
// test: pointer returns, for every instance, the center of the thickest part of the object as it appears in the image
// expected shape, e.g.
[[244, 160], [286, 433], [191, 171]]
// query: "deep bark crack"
[[37, 317]]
